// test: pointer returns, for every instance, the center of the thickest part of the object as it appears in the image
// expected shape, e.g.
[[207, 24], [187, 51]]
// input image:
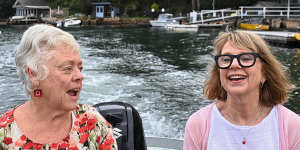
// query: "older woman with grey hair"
[[49, 65]]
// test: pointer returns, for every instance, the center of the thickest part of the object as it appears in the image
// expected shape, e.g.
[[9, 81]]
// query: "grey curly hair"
[[36, 47]]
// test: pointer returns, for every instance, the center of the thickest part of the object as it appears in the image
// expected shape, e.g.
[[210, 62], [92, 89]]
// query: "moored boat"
[[248, 26], [69, 22], [164, 19], [297, 36]]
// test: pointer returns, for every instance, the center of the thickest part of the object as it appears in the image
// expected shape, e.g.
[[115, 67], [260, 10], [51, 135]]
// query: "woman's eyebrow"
[[68, 62]]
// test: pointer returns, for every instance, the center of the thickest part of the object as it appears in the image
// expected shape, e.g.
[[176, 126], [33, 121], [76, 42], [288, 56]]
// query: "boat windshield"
[[165, 16]]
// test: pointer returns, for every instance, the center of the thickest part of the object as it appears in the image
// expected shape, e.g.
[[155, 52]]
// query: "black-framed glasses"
[[245, 60]]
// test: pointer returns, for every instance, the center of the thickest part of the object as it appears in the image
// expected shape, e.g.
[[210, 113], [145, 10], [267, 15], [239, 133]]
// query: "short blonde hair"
[[35, 48], [277, 87]]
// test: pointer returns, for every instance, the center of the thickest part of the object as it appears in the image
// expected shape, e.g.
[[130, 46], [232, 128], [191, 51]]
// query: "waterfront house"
[[104, 10], [32, 8]]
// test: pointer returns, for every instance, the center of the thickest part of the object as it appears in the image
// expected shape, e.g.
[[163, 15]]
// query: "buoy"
[[297, 36]]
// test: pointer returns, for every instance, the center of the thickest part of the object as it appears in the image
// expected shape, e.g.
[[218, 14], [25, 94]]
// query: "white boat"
[[17, 18], [69, 22], [164, 19]]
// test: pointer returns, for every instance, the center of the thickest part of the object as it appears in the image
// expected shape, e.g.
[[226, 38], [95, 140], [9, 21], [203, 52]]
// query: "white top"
[[224, 135]]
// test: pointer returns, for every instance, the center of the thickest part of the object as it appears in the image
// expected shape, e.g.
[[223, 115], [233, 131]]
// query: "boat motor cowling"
[[126, 122]]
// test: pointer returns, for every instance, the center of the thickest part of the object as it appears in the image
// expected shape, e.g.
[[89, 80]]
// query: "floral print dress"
[[90, 131]]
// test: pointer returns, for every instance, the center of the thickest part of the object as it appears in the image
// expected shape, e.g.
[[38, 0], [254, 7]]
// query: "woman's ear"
[[29, 72], [32, 76], [264, 78]]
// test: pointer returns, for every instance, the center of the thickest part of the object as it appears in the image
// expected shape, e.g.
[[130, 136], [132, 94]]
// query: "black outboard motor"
[[127, 124]]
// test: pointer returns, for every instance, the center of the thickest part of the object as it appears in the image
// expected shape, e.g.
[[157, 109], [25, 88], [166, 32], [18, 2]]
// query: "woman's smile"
[[236, 78]]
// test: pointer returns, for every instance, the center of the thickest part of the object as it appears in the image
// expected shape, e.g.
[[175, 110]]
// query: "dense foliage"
[[6, 8], [134, 8], [143, 7]]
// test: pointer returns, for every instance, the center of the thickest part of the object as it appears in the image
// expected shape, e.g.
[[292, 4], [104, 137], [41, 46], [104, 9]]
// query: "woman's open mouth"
[[236, 77], [73, 92]]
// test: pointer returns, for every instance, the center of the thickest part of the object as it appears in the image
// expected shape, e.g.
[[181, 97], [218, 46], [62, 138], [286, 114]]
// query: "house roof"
[[31, 3]]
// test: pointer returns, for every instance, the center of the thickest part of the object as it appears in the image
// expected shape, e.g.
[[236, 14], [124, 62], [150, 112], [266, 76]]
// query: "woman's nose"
[[78, 75], [235, 63]]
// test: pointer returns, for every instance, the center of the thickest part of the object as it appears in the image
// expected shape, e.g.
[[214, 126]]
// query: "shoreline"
[[86, 22], [274, 23]]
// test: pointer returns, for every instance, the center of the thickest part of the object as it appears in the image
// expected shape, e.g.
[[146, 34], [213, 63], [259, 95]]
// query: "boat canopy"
[[165, 16]]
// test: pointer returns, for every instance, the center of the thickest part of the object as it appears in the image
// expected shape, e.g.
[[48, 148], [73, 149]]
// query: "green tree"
[[133, 8], [6, 8], [85, 7], [74, 6], [155, 6]]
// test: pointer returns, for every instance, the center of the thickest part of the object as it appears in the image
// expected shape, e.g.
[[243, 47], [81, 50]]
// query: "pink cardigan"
[[198, 125]]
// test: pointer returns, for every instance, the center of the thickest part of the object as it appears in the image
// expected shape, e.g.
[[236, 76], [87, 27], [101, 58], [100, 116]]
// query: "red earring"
[[37, 93]]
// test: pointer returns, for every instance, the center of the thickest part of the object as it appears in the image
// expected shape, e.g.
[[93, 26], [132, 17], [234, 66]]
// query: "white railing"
[[223, 14], [270, 12], [213, 15]]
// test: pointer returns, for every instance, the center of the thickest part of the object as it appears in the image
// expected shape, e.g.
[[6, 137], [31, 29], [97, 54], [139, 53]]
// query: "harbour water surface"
[[161, 73]]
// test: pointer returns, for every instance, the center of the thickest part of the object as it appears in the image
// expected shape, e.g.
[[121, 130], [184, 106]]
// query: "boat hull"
[[164, 19], [155, 23], [248, 26], [69, 23]]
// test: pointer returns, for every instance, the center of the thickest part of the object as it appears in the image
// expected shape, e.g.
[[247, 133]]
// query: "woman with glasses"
[[250, 85]]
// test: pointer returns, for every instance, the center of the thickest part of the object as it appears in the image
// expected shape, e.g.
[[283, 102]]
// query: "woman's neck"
[[243, 110], [45, 113], [43, 125]]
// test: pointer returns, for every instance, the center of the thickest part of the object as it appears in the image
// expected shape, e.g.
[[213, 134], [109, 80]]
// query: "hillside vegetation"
[[137, 8]]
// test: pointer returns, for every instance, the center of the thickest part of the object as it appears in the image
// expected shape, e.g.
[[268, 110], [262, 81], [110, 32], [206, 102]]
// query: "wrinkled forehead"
[[63, 46], [61, 49]]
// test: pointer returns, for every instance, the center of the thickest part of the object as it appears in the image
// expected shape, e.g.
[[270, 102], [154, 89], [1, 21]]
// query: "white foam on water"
[[155, 124], [99, 87]]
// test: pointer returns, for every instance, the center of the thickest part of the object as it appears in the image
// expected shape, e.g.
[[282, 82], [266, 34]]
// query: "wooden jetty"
[[280, 37], [182, 27], [213, 25], [207, 16], [193, 27]]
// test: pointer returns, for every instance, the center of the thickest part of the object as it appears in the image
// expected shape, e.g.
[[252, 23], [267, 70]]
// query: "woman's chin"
[[237, 92], [71, 107], [73, 98]]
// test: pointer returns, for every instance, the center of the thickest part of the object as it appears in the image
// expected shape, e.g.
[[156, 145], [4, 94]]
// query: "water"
[[160, 73]]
